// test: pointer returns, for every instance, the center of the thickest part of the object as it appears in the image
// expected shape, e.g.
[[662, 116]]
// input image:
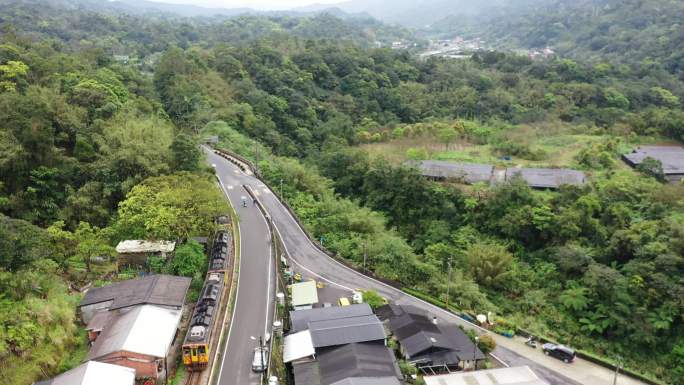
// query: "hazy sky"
[[257, 4]]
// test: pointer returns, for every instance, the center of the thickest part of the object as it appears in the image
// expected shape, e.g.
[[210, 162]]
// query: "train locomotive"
[[202, 324]]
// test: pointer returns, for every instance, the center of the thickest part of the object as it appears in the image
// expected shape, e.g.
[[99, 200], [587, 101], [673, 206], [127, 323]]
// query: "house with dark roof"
[[161, 290], [547, 178], [670, 157], [351, 364], [431, 345], [342, 345]]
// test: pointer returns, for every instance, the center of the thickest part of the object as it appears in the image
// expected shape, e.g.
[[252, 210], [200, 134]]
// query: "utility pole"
[[365, 255], [256, 155], [475, 352], [617, 369], [448, 284], [281, 190], [261, 351]]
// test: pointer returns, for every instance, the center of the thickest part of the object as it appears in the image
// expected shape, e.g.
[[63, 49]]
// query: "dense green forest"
[[100, 113]]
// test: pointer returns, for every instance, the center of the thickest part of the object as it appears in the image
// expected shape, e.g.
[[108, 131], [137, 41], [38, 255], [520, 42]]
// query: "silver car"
[[260, 359]]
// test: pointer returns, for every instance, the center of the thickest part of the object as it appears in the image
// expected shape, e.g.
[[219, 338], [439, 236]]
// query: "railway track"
[[193, 378]]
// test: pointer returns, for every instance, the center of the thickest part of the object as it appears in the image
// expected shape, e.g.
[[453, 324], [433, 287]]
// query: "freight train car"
[[202, 324]]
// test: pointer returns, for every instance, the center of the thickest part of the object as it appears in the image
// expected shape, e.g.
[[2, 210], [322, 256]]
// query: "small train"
[[202, 324]]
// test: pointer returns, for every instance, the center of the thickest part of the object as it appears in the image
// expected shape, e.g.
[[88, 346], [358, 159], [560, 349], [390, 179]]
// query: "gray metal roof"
[[671, 157], [369, 381], [362, 360], [466, 172], [521, 375], [145, 329], [300, 318], [164, 290], [547, 177], [346, 331], [307, 373], [423, 340]]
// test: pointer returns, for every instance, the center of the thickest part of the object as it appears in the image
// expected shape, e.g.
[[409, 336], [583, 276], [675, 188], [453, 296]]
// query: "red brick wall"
[[145, 366]]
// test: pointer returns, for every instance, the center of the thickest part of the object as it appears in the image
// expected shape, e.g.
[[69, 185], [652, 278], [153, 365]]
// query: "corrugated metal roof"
[[357, 360], [99, 321], [144, 329], [423, 340], [671, 157], [368, 381], [297, 346], [307, 373], [300, 318], [547, 177], [346, 330], [142, 246], [163, 290], [467, 172], [304, 293], [94, 373], [521, 375]]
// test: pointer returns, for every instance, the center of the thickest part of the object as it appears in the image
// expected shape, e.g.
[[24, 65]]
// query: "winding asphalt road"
[[306, 257], [254, 302]]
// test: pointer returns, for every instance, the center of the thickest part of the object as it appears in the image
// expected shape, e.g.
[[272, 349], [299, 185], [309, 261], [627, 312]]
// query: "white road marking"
[[267, 191], [237, 293], [230, 187]]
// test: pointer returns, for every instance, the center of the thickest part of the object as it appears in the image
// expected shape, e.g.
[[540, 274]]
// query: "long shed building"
[[464, 172], [671, 158], [551, 178]]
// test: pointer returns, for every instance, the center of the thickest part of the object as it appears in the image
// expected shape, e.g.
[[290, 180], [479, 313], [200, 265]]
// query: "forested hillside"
[[100, 115], [644, 34]]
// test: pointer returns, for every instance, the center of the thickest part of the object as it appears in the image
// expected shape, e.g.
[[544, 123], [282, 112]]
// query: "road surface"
[[253, 306], [305, 256]]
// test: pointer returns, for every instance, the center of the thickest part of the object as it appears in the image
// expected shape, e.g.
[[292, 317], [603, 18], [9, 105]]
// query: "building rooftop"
[[99, 321], [144, 329], [547, 177], [297, 346], [307, 373], [521, 375], [346, 331], [300, 319], [671, 157], [141, 246], [466, 172], [368, 381], [423, 340], [94, 373], [358, 361], [164, 290], [304, 293]]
